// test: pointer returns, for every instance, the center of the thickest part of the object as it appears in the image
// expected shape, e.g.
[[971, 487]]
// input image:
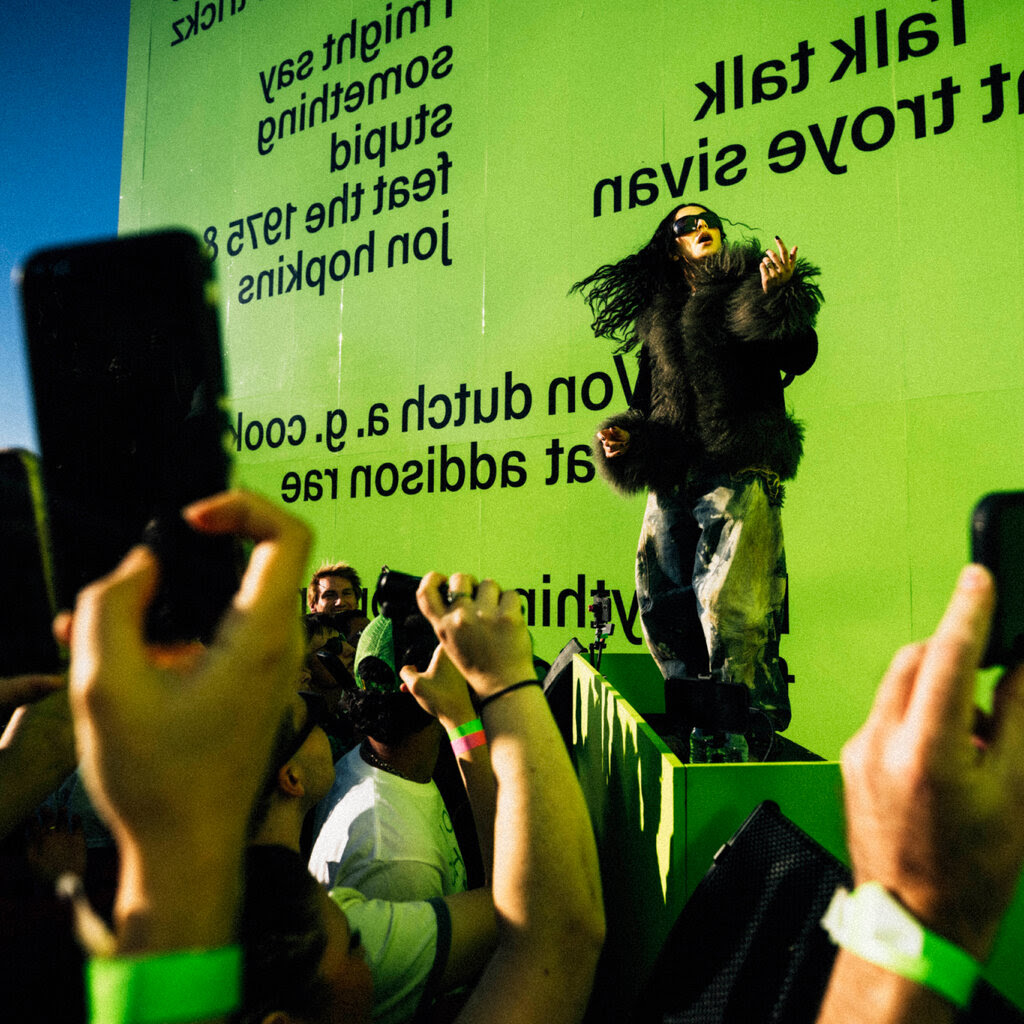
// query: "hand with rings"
[[777, 267], [614, 441], [484, 634]]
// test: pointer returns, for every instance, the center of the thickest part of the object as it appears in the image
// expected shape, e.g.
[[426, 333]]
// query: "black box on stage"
[[748, 945]]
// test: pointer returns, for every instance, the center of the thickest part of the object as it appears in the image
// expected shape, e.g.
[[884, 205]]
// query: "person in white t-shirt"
[[384, 829]]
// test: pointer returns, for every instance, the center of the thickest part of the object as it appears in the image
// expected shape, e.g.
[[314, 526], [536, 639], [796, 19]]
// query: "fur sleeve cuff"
[[784, 312], [654, 460], [626, 471]]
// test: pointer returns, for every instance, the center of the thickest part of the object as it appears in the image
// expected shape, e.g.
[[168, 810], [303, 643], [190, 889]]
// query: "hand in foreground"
[[481, 629], [440, 690], [173, 741], [55, 845], [16, 691], [777, 267], [933, 811], [614, 441], [37, 745]]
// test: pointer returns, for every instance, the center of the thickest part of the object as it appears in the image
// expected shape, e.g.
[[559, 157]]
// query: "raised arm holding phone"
[[164, 733], [934, 804]]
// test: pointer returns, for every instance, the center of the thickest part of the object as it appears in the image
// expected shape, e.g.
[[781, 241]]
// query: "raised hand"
[[933, 809], [777, 266], [614, 441], [481, 628]]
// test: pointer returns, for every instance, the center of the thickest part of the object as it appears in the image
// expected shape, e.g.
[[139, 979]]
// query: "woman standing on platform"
[[709, 437]]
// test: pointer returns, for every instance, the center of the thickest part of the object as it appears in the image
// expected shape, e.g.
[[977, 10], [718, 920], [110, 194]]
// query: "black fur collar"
[[732, 262]]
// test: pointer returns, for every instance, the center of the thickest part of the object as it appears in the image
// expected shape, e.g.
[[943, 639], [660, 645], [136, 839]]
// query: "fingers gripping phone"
[[124, 352], [997, 542]]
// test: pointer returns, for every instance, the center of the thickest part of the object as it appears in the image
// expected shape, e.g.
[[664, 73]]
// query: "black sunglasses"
[[317, 713], [684, 225]]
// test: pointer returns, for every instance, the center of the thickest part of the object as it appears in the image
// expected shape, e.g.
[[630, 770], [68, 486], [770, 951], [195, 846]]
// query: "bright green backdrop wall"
[[912, 411]]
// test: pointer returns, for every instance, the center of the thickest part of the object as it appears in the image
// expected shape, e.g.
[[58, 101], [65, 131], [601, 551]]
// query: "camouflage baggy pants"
[[711, 579]]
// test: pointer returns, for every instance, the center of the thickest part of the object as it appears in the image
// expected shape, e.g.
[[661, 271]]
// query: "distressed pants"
[[711, 579]]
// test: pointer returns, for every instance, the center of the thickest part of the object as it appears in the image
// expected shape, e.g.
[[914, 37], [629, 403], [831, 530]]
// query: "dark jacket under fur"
[[709, 397]]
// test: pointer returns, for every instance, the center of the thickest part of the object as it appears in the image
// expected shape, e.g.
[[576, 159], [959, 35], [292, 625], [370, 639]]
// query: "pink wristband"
[[462, 744]]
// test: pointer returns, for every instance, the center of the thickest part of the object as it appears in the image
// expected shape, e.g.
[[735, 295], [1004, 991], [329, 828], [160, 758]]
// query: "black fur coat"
[[709, 398]]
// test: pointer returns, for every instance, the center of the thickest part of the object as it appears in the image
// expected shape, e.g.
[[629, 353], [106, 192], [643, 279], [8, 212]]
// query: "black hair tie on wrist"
[[508, 689]]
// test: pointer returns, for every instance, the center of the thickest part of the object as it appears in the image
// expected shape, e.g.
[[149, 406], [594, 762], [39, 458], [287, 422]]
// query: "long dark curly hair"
[[618, 293]]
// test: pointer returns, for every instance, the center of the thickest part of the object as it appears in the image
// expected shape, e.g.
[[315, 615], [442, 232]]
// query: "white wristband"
[[872, 924]]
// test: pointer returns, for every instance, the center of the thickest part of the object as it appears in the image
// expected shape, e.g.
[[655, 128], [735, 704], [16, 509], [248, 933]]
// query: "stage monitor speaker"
[[557, 686], [748, 944]]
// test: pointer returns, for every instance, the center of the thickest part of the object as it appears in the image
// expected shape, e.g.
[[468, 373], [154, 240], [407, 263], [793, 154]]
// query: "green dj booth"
[[659, 822]]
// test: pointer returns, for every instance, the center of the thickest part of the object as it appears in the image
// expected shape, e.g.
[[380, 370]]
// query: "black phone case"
[[997, 542], [124, 351]]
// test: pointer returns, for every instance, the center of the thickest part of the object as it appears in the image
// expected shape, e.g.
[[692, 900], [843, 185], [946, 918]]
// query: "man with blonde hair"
[[334, 588]]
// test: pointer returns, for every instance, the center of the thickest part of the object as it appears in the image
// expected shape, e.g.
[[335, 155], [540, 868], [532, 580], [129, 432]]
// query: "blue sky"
[[62, 78]]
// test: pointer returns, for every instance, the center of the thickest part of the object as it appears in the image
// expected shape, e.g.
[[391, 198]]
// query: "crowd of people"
[[301, 821], [204, 764]]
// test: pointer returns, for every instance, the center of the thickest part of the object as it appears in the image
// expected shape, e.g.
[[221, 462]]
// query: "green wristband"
[[168, 988], [870, 923], [464, 730]]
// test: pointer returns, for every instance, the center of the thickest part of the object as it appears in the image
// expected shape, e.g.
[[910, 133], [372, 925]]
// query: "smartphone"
[[127, 375], [413, 637], [27, 599], [997, 542]]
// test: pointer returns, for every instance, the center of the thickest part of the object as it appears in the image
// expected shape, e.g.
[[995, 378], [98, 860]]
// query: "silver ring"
[[454, 597]]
